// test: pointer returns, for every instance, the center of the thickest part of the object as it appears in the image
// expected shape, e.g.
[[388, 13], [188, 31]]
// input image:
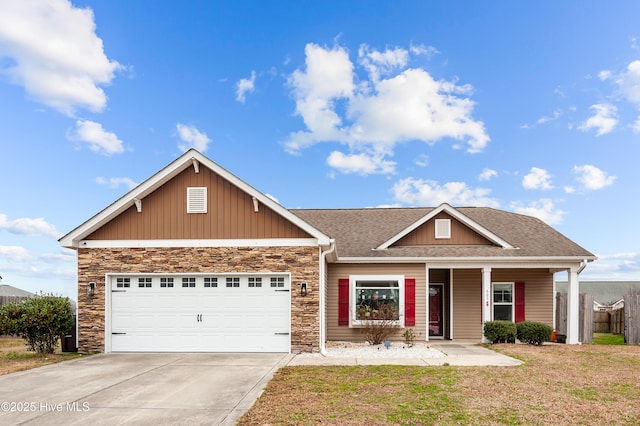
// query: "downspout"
[[323, 283]]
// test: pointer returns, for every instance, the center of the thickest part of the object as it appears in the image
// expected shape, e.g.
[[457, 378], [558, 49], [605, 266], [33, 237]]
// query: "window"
[[210, 282], [197, 200], [255, 282], [369, 295], [277, 282], [123, 282], [233, 282], [443, 228], [188, 282], [144, 282], [166, 282], [503, 301]]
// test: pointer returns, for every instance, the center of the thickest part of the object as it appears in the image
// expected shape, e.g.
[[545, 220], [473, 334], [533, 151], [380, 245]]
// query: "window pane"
[[372, 301], [502, 312], [502, 293]]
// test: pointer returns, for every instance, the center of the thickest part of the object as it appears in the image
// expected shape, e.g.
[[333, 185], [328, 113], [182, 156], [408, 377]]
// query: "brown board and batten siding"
[[461, 234], [337, 271], [230, 214]]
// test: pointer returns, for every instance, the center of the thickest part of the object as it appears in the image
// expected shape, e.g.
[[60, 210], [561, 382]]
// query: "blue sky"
[[532, 107]]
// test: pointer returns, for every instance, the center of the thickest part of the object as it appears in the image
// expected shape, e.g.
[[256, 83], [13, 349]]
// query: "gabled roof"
[[360, 232], [191, 158], [8, 290], [604, 292], [454, 213]]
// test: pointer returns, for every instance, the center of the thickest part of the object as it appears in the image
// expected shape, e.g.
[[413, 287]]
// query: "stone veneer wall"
[[301, 262]]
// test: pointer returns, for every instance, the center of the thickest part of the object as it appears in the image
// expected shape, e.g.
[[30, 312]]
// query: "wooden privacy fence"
[[10, 299], [585, 316], [632, 319], [616, 322]]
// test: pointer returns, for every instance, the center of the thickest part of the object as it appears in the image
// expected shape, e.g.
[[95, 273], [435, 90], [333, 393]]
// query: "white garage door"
[[200, 313]]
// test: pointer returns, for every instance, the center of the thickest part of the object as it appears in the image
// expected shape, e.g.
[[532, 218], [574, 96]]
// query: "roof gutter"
[[323, 291]]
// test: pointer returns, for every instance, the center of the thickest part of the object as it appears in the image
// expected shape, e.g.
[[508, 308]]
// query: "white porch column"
[[426, 273], [486, 298], [573, 312]]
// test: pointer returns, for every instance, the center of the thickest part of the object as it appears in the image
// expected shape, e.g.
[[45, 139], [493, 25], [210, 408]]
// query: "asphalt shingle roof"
[[358, 231]]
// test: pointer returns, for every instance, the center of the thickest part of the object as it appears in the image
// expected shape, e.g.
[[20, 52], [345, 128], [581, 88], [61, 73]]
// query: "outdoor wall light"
[[91, 288], [303, 289]]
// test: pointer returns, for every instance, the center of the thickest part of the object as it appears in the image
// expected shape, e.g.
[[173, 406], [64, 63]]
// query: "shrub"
[[379, 323], [500, 331], [534, 333], [409, 336], [40, 320]]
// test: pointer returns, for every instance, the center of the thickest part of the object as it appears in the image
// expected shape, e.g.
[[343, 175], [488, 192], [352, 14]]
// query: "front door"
[[436, 310]]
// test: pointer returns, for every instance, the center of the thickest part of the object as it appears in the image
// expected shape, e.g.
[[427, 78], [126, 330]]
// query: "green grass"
[[608, 339]]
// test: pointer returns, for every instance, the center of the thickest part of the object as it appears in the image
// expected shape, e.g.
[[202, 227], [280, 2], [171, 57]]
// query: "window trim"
[[512, 303], [353, 279]]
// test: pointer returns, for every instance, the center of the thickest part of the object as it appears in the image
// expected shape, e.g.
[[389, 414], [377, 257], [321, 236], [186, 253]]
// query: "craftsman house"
[[195, 259]]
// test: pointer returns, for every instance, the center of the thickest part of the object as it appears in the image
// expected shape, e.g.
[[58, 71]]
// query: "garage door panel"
[[200, 319]]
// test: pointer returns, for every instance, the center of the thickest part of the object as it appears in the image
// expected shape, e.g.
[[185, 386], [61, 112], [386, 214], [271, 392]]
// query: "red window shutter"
[[343, 301], [410, 301], [519, 296]]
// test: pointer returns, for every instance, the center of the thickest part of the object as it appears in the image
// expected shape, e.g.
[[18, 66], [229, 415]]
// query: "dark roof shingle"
[[359, 231]]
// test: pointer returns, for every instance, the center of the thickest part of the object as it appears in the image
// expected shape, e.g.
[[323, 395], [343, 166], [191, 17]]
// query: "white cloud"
[[487, 174], [55, 53], [420, 192], [191, 137], [362, 163], [37, 227], [537, 179], [544, 209], [422, 160], [421, 49], [592, 178], [99, 140], [604, 120], [628, 82], [14, 254], [379, 63], [244, 86], [115, 182], [605, 75], [394, 105]]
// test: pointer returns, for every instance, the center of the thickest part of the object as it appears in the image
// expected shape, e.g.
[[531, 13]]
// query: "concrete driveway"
[[146, 389]]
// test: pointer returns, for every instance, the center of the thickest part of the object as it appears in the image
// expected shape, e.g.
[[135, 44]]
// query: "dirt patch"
[[558, 384]]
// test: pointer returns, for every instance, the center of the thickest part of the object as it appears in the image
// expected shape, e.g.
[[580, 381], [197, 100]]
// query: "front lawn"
[[558, 384], [15, 357]]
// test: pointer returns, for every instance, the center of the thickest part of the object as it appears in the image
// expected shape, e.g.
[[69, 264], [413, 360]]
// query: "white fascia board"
[[265, 242], [454, 213], [562, 262], [72, 239]]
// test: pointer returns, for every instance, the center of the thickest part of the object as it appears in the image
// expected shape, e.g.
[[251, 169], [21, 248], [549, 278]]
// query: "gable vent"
[[197, 200], [443, 228]]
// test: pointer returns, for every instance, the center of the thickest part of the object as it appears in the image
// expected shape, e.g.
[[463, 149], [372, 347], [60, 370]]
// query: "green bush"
[[500, 331], [534, 333], [40, 320]]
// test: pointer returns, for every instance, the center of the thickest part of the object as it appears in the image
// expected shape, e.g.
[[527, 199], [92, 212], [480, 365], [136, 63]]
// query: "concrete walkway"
[[459, 354]]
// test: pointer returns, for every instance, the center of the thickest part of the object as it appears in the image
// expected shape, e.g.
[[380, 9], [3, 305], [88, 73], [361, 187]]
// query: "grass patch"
[[14, 356], [558, 384], [608, 339]]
